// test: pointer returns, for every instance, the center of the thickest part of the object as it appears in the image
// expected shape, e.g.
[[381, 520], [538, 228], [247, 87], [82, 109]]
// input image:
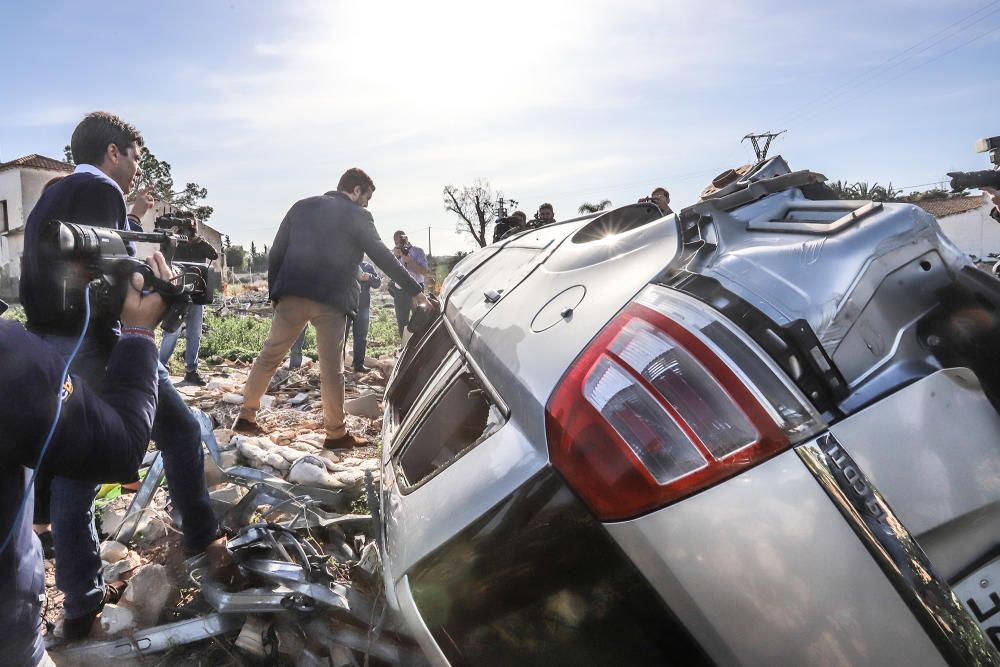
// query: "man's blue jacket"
[[98, 437]]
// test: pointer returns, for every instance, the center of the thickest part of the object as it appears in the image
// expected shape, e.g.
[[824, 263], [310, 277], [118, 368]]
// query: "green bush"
[[241, 338]]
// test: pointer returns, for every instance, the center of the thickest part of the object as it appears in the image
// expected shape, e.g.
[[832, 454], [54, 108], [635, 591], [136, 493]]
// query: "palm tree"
[[587, 207]]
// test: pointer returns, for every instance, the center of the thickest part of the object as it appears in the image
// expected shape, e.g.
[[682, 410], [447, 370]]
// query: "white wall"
[[10, 189], [975, 232]]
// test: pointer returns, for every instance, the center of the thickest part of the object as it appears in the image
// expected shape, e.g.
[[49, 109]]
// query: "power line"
[[845, 99], [876, 71]]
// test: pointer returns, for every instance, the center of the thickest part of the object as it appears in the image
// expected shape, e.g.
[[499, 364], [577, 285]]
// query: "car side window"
[[461, 418], [417, 367]]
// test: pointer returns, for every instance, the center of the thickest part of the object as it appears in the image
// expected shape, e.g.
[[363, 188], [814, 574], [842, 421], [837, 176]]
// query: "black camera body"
[[988, 178], [99, 258], [178, 222]]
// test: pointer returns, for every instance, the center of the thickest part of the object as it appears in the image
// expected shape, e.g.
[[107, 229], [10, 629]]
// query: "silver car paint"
[[764, 571], [523, 366], [933, 451], [861, 289]]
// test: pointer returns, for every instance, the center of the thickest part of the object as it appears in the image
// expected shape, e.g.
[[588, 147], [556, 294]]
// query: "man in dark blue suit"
[[106, 150], [98, 436]]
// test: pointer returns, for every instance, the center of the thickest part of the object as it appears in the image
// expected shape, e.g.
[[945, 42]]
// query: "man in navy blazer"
[[106, 150], [313, 277]]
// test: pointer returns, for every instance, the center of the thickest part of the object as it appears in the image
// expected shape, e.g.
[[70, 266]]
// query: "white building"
[[967, 222], [21, 184]]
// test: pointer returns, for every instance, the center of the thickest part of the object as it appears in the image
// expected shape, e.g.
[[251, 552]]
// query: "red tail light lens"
[[669, 399]]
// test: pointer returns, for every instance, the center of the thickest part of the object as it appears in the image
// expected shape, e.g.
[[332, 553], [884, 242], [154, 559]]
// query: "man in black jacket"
[[313, 277], [107, 152], [98, 436], [199, 250]]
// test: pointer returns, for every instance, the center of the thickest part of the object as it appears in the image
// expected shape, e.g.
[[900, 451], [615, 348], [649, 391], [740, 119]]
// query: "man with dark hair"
[[510, 225], [661, 198], [313, 277], [95, 195], [546, 216]]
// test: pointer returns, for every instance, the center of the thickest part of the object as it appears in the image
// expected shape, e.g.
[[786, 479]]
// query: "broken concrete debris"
[[309, 593]]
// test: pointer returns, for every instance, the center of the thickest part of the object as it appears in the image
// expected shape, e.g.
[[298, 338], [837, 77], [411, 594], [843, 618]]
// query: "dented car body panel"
[[860, 310]]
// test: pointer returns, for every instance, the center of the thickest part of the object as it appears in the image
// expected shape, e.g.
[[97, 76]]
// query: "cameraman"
[[107, 153], [196, 249], [99, 435], [414, 260]]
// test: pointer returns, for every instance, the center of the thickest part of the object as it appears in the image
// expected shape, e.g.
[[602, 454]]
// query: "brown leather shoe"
[[346, 441], [246, 427]]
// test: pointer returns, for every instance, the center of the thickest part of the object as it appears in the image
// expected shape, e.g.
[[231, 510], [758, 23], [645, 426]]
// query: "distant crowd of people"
[[518, 221]]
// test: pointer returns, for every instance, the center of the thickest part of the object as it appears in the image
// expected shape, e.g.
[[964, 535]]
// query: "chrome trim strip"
[[477, 371], [929, 597]]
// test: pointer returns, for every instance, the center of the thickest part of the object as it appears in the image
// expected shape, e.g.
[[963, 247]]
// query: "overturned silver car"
[[763, 431]]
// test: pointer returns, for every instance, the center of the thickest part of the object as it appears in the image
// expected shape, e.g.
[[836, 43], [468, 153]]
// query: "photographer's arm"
[[383, 258], [100, 435]]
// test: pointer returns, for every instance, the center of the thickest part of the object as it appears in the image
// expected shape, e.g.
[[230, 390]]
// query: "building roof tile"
[[941, 208], [36, 161]]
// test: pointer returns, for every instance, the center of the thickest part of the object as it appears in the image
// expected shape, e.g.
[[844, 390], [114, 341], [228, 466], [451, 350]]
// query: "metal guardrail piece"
[[151, 640], [208, 435], [140, 503], [906, 566]]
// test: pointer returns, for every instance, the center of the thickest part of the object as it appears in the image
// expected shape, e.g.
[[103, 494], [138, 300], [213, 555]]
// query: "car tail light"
[[669, 399]]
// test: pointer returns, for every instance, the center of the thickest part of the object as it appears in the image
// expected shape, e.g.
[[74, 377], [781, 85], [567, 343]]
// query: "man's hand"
[[421, 302], [364, 277], [143, 202], [147, 310]]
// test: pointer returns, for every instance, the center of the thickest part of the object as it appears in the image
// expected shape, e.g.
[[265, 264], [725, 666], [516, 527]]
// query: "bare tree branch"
[[475, 207]]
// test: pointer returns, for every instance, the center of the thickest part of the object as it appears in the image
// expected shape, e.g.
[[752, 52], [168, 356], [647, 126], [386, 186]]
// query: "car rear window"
[[460, 418]]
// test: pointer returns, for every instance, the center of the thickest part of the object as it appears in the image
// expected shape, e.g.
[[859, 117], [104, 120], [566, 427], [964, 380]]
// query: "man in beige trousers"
[[313, 277]]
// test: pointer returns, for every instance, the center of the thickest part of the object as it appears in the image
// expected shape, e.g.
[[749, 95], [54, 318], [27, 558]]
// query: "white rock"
[[115, 571], [277, 461], [350, 478], [112, 551], [364, 406], [232, 398], [298, 399], [223, 436], [370, 464], [147, 594], [250, 639], [221, 385], [227, 459], [266, 402], [116, 619], [227, 493], [329, 458], [153, 527], [385, 365], [352, 461], [310, 471], [111, 519]]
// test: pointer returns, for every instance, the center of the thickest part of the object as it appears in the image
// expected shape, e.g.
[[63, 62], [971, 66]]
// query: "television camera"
[[99, 257], [988, 178]]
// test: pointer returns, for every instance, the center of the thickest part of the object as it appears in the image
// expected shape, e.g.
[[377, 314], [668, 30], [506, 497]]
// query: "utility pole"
[[429, 252], [755, 140]]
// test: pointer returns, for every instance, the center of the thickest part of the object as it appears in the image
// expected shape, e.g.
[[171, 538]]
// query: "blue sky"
[[266, 103]]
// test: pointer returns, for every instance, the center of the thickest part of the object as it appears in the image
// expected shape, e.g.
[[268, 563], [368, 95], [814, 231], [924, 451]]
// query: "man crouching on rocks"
[[313, 277]]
